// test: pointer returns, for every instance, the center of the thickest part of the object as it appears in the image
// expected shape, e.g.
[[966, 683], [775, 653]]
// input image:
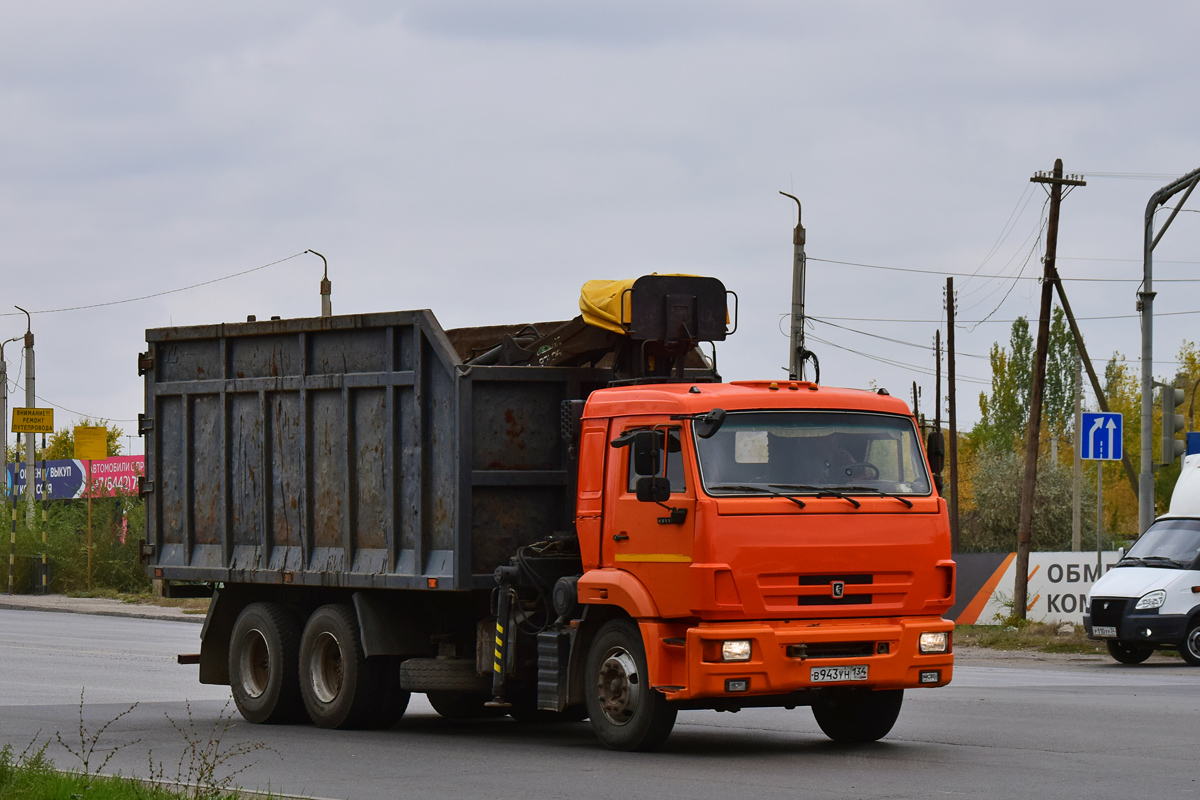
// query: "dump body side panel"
[[354, 451]]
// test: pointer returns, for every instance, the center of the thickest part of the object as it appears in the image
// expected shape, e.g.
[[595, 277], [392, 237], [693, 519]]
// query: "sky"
[[484, 159]]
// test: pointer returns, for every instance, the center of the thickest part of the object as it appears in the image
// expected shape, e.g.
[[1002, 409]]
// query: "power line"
[[156, 294], [890, 339], [941, 273], [893, 362]]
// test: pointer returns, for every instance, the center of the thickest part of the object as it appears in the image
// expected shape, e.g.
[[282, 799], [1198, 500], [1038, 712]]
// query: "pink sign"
[[115, 475]]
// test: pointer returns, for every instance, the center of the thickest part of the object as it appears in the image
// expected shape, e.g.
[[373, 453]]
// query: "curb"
[[68, 605]]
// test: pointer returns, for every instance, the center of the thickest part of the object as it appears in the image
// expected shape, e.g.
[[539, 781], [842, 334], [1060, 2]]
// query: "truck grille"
[[830, 650], [885, 590]]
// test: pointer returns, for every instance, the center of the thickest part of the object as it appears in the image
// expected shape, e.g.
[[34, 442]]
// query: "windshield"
[[812, 451], [1168, 543]]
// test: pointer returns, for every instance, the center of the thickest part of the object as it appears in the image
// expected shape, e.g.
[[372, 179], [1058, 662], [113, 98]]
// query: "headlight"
[[735, 650], [1152, 599], [935, 642]]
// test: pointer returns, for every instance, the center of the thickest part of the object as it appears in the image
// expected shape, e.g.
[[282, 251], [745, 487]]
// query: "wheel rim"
[[255, 670], [325, 667], [618, 686], [1193, 642]]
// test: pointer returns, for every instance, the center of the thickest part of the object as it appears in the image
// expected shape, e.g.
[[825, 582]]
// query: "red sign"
[[114, 475]]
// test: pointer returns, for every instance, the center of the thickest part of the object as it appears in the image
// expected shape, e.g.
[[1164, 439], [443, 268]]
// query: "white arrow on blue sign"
[[1102, 437]]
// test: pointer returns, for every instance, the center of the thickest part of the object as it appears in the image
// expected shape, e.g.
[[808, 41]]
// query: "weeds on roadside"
[[205, 755], [88, 741]]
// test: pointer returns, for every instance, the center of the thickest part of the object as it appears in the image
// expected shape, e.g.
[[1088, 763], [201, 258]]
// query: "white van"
[[1151, 599]]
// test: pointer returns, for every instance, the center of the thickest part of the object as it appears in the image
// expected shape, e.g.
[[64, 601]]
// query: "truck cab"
[[1150, 600], [793, 554]]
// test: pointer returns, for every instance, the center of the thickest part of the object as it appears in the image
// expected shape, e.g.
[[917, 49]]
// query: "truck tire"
[[443, 675], [463, 705], [340, 688], [392, 699], [626, 713], [1129, 652], [1189, 648], [264, 650], [856, 716]]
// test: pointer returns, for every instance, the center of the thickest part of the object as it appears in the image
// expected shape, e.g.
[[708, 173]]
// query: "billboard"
[[1058, 586], [65, 479]]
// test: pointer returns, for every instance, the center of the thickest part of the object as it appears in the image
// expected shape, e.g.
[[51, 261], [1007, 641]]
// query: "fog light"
[[737, 685], [735, 650], [930, 676], [935, 642]]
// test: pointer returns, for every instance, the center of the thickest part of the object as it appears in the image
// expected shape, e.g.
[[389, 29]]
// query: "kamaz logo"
[[838, 589]]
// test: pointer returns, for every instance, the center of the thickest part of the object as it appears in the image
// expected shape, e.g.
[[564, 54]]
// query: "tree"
[[1006, 412], [1058, 406]]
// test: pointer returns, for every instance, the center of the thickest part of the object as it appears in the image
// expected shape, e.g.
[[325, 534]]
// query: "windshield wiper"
[[1163, 559], [877, 492], [822, 491], [739, 487]]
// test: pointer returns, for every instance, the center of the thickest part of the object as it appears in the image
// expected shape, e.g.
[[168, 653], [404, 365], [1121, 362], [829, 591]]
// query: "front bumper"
[[1144, 627], [785, 653]]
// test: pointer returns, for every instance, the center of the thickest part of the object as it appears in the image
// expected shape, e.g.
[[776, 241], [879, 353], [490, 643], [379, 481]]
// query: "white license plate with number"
[[838, 674], [1104, 631]]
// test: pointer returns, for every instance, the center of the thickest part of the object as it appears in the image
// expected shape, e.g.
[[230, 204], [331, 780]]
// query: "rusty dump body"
[[352, 451]]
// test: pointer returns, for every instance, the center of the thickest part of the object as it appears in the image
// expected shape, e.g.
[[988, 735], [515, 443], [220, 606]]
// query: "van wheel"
[[855, 716], [263, 657], [626, 713], [338, 685], [1129, 652], [1190, 647]]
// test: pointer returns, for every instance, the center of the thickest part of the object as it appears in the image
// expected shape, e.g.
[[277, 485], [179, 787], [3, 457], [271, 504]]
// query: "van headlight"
[[934, 642], [1153, 599]]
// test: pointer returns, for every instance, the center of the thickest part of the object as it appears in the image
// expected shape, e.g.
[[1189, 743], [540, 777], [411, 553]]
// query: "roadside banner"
[[65, 479], [1058, 586]]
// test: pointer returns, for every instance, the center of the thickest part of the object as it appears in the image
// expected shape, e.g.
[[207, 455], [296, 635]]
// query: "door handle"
[[620, 537]]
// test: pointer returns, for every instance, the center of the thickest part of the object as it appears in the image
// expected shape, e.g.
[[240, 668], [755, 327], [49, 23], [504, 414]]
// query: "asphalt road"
[[1054, 729]]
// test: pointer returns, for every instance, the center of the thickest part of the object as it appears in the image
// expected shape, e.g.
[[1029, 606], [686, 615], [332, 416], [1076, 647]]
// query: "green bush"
[[115, 563]]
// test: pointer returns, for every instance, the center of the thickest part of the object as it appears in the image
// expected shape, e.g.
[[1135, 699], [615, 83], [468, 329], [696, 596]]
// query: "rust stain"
[[515, 429]]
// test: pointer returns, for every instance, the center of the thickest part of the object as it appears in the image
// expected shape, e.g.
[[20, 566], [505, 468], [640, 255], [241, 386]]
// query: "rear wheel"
[[263, 657], [626, 713], [392, 700], [1189, 648], [339, 687], [1129, 652], [855, 716]]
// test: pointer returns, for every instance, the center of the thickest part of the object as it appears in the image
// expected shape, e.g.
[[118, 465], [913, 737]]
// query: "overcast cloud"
[[484, 159]]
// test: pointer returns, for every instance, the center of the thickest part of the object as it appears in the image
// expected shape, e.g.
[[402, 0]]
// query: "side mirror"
[[935, 448], [646, 460], [653, 490], [1120, 553], [710, 423]]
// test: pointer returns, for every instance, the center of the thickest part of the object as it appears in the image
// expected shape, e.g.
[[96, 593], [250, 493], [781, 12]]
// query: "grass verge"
[[1039, 636], [189, 605]]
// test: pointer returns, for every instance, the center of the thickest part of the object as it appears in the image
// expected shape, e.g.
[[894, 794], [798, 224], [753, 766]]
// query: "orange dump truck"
[[555, 522]]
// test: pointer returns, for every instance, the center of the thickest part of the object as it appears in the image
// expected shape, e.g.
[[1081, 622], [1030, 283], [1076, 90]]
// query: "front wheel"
[[855, 716], [1189, 648], [625, 711], [1129, 652]]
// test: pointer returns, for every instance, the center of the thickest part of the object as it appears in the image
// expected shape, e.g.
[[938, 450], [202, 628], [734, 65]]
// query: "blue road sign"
[[1102, 437]]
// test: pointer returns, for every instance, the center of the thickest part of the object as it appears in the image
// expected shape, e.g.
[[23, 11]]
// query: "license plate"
[[1104, 631], [838, 674]]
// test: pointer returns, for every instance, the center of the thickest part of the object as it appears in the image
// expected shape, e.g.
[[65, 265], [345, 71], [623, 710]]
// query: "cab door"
[[641, 537]]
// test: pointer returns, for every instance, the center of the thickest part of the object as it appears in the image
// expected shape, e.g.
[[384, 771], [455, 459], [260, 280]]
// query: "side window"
[[675, 471]]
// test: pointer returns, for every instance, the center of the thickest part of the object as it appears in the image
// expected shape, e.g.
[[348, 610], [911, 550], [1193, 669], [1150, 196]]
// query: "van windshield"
[[1167, 544], [803, 452]]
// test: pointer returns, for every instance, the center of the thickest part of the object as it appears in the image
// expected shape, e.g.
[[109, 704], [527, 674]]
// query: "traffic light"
[[1172, 424]]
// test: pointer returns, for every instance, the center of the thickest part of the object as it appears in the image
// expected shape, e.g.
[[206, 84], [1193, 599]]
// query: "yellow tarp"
[[605, 304]]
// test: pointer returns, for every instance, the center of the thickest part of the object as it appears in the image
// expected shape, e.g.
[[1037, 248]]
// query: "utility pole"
[[1077, 483], [937, 399], [1032, 432], [30, 402], [1145, 305], [799, 354], [952, 413]]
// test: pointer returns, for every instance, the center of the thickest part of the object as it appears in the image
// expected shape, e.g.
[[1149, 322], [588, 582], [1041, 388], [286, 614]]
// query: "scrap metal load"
[[643, 330]]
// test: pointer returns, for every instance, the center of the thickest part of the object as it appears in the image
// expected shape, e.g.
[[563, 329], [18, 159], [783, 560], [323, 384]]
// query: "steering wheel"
[[862, 465]]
